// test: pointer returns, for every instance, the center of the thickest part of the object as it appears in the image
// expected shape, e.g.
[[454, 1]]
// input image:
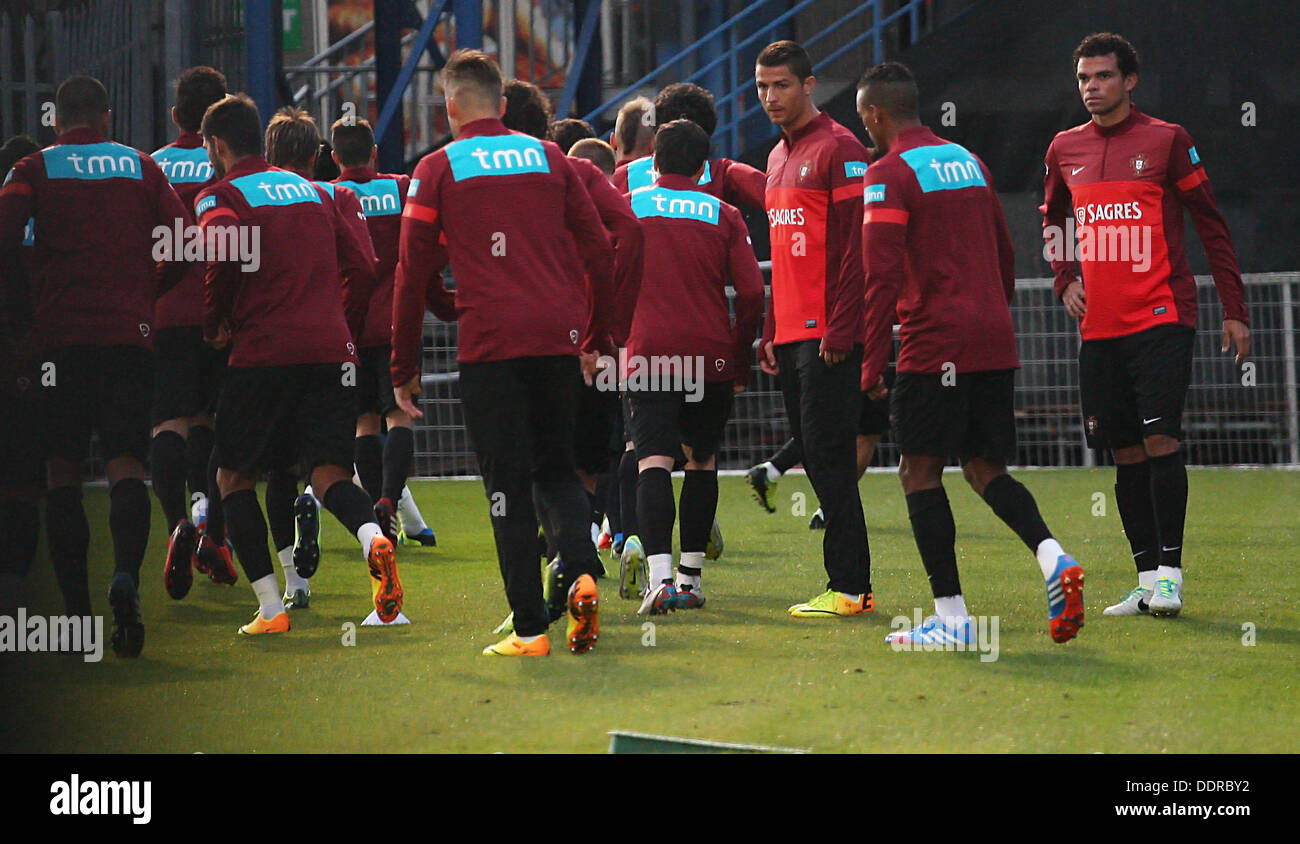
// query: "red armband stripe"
[[207, 218], [886, 215], [1191, 180], [420, 212], [17, 187], [844, 192]]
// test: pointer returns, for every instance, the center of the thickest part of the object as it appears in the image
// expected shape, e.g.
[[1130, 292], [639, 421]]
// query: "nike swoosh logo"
[[1149, 421], [1076, 170]]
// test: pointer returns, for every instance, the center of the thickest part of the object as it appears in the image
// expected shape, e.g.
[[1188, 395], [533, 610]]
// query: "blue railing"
[[736, 51]]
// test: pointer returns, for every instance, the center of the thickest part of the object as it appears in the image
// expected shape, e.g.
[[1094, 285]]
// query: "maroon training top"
[[185, 164], [382, 196], [96, 204], [511, 210], [307, 298], [629, 243], [733, 182]]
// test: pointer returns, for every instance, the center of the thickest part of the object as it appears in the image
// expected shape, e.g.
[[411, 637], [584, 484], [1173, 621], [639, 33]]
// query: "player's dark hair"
[[353, 140], [291, 138], [569, 131], [681, 148], [689, 101], [473, 70], [196, 89], [15, 149], [80, 101], [597, 152], [325, 170], [234, 119], [1105, 43], [892, 87], [528, 110], [631, 118], [787, 54]]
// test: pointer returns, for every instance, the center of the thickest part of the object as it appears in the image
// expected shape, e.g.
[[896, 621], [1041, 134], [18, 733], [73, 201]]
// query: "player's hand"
[[831, 357], [223, 336], [767, 359], [1075, 302], [591, 364], [405, 395], [737, 388], [879, 391], [1236, 332]]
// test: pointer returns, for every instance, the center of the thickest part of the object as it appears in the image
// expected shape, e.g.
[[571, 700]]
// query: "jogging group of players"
[[256, 300]]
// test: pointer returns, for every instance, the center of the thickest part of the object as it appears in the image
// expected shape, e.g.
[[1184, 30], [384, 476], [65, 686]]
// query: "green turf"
[[739, 670]]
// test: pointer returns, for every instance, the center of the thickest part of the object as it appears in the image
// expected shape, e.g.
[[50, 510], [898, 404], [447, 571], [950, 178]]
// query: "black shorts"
[[873, 420], [274, 417], [375, 381], [598, 414], [105, 389], [187, 374], [1133, 387], [973, 416], [20, 443], [661, 421]]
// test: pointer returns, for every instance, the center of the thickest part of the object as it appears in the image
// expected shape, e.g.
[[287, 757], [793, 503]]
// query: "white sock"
[[198, 507], [311, 492], [1049, 551], [661, 568], [818, 512], [692, 560], [1147, 580], [953, 607], [267, 590], [528, 638], [1174, 574], [773, 473], [409, 514], [292, 580], [365, 534]]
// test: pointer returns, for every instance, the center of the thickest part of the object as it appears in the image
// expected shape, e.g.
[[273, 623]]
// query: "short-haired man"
[[686, 356], [569, 131], [95, 205], [1124, 173], [597, 152], [812, 341], [525, 317], [289, 395], [634, 133], [528, 110], [937, 252]]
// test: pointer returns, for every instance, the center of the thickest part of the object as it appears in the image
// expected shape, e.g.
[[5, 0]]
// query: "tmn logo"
[[91, 797]]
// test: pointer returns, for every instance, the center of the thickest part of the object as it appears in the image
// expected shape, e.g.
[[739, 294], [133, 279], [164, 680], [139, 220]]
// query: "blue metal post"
[[580, 80], [388, 64], [469, 24], [259, 48]]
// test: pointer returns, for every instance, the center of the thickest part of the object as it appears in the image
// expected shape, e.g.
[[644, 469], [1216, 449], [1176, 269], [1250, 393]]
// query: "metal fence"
[[1233, 416]]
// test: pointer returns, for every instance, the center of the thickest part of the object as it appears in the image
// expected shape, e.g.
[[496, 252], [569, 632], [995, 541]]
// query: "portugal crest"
[[1138, 163]]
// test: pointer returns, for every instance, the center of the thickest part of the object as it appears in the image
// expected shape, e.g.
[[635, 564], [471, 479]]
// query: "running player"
[[936, 248], [695, 245], [97, 281], [187, 371], [812, 339], [1125, 173], [512, 212], [634, 134], [290, 317], [567, 132]]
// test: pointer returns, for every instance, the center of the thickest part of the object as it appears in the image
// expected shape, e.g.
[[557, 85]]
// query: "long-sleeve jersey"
[[936, 252], [95, 205], [695, 245], [354, 219], [625, 234], [1112, 201], [814, 211], [185, 164], [382, 196], [512, 211], [307, 298], [734, 182]]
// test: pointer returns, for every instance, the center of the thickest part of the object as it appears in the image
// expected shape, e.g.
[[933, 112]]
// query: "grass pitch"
[[740, 670]]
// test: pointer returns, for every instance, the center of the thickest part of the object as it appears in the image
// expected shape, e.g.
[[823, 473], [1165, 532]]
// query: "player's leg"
[[597, 410], [1160, 366], [22, 483], [175, 399], [368, 454], [828, 411], [66, 403], [198, 451], [703, 423], [281, 505], [632, 561], [763, 477], [496, 416], [411, 522], [656, 435], [213, 555]]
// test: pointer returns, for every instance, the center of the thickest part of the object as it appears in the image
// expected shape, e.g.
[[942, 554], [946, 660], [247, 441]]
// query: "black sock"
[[368, 452], [546, 544], [614, 498], [20, 530], [281, 490], [1137, 514], [198, 448], [350, 505], [655, 510], [1169, 495], [398, 453], [68, 534], [248, 533], [167, 463], [128, 521], [1016, 506], [698, 506], [789, 455], [627, 492], [216, 527], [936, 539]]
